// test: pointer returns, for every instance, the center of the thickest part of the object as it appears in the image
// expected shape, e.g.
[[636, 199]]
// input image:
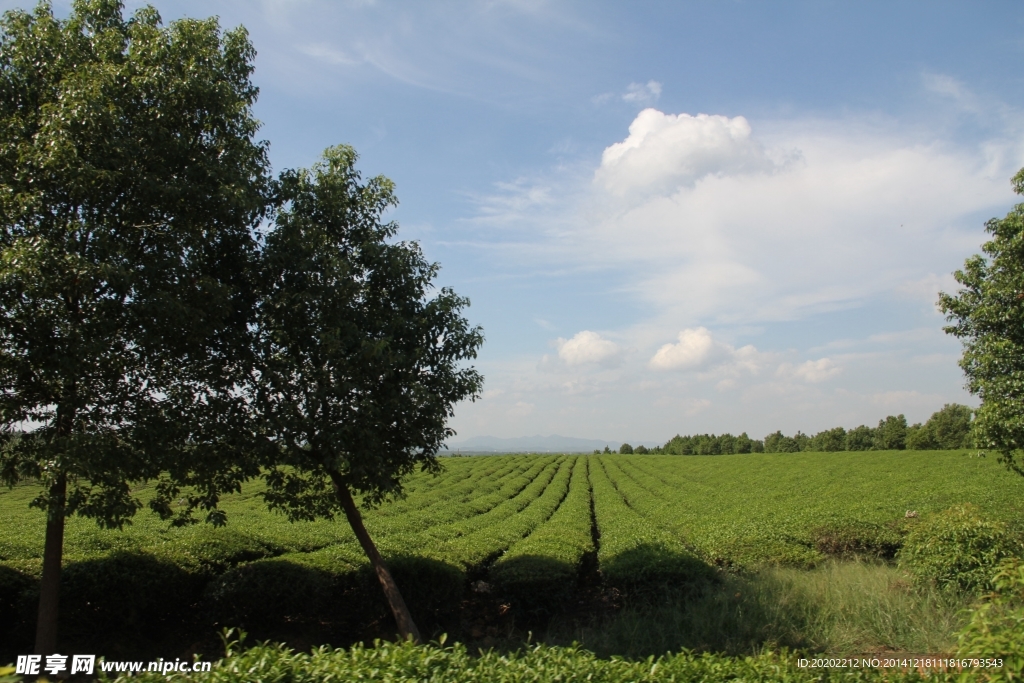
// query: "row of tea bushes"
[[636, 551], [407, 663], [538, 574]]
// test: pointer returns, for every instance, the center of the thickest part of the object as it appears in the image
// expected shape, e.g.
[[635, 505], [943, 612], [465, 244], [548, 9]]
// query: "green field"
[[541, 531]]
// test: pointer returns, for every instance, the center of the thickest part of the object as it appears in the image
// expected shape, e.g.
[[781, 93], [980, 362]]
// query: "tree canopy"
[[359, 364], [947, 429], [150, 328], [987, 315], [130, 184]]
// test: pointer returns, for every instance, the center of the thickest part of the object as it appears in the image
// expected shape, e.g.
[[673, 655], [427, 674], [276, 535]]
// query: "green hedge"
[[635, 552], [538, 574], [958, 548], [401, 663]]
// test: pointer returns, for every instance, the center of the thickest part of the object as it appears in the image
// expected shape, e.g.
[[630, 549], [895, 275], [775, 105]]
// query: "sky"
[[669, 217]]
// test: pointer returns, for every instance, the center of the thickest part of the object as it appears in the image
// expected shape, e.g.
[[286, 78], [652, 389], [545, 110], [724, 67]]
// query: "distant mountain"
[[533, 444]]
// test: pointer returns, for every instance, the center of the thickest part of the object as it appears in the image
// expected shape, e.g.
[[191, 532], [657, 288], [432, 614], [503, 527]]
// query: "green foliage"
[[891, 434], [996, 628], [641, 450], [778, 443], [661, 520], [405, 662], [710, 444], [853, 538], [951, 426], [131, 188], [636, 552], [987, 315], [829, 441], [755, 510], [538, 574], [626, 449], [360, 368], [860, 438], [958, 548], [919, 438], [946, 429]]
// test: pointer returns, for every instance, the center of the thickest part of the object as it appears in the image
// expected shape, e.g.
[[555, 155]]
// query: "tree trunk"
[[406, 626], [53, 551]]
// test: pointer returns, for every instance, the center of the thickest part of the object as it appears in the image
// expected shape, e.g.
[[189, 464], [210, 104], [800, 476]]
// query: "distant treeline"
[[947, 429]]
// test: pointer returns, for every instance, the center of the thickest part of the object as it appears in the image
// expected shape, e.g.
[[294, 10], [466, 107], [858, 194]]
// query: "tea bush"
[[958, 548], [846, 539], [996, 628], [538, 574], [407, 663]]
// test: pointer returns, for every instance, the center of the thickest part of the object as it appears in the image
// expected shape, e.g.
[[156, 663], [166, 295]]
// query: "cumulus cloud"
[[725, 227], [587, 348], [642, 93], [812, 371], [696, 349], [665, 151], [708, 225]]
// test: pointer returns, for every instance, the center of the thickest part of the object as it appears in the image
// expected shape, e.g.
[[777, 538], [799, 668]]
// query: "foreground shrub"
[[958, 549], [997, 626], [19, 595], [332, 586], [264, 594], [127, 592], [403, 662]]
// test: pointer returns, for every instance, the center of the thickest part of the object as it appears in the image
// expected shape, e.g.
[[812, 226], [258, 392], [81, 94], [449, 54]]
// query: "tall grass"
[[838, 608]]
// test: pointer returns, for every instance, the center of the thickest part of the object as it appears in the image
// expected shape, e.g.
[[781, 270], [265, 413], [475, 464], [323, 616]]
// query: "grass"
[[841, 608]]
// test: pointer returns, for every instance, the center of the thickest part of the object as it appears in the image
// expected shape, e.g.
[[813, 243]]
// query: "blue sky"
[[670, 217]]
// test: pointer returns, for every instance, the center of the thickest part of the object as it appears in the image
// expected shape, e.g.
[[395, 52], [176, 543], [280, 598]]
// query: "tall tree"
[[891, 433], [360, 365], [130, 184], [987, 314], [951, 427]]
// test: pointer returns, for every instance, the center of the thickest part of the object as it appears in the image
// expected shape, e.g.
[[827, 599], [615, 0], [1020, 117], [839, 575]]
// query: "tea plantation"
[[536, 529]]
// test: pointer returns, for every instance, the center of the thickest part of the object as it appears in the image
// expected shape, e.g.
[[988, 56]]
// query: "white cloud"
[[725, 228], [642, 93], [696, 349], [714, 225], [812, 371], [588, 347], [666, 151]]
